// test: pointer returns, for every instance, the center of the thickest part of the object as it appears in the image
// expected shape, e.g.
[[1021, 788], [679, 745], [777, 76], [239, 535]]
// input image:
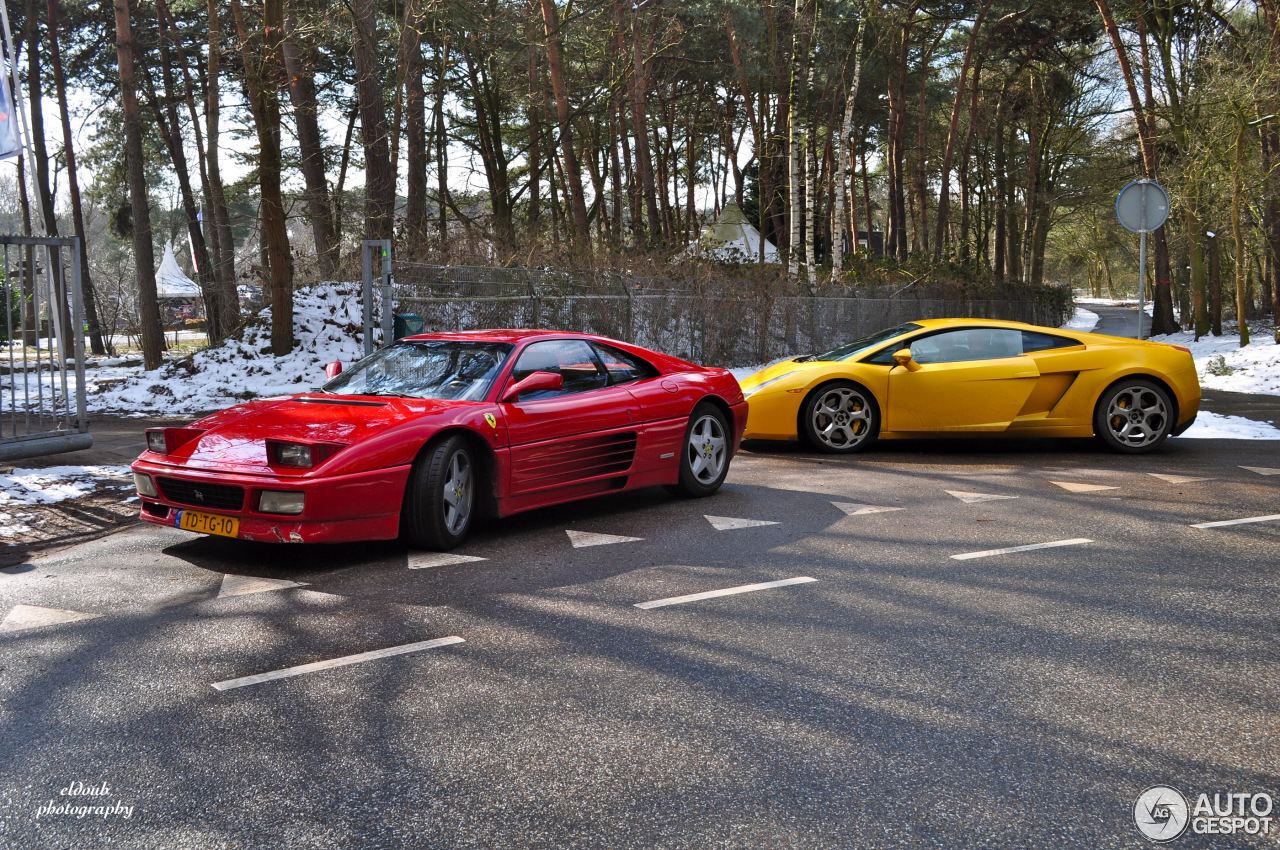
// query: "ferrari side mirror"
[[531, 383], [333, 370], [903, 358]]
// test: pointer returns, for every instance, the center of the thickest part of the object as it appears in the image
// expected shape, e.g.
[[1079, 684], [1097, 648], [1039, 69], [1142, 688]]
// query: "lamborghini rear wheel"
[[840, 418], [1133, 416], [441, 498]]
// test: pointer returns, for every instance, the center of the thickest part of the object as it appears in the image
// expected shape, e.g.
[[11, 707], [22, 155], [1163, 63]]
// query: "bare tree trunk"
[[264, 92], [302, 93], [442, 140], [171, 128], [379, 202], [844, 149], [144, 255], [73, 185], [795, 139], [555, 67], [1242, 300], [1215, 287], [640, 132], [221, 224], [944, 189]]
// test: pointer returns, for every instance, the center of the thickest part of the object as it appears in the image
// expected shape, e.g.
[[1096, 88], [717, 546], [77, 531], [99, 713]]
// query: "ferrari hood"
[[234, 440]]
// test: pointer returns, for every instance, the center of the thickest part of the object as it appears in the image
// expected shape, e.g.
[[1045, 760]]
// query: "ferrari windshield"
[[856, 347], [425, 368]]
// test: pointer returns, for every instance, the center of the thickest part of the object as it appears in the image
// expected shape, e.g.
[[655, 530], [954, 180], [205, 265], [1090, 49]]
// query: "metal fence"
[[711, 325], [42, 396]]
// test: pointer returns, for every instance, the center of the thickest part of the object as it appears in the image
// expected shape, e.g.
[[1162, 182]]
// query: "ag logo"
[[491, 419], [1161, 813]]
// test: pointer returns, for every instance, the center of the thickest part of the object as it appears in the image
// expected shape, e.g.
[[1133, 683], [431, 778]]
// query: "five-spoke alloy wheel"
[[840, 417], [704, 459], [442, 495], [1133, 416]]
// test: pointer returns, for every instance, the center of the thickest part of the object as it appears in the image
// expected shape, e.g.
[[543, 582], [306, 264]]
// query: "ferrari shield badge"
[[491, 419]]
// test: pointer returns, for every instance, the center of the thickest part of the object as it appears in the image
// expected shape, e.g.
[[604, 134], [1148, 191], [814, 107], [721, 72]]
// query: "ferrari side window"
[[967, 344], [1035, 341], [572, 359], [623, 368]]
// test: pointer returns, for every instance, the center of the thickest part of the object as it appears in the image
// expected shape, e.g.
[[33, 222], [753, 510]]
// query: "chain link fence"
[[707, 324]]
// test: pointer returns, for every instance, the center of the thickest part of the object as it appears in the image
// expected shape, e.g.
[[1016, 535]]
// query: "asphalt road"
[[905, 698]]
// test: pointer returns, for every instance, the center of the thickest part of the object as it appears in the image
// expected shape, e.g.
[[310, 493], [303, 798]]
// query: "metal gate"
[[42, 393]]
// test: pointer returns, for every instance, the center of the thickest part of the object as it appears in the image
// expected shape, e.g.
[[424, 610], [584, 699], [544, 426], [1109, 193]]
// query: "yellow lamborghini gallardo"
[[947, 377]]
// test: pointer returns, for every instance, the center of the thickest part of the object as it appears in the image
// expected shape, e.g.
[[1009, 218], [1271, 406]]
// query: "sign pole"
[[1142, 280]]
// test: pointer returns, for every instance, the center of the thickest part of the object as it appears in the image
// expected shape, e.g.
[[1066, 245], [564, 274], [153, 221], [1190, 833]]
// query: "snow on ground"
[[328, 326], [56, 483], [1214, 426], [1083, 320], [1223, 365]]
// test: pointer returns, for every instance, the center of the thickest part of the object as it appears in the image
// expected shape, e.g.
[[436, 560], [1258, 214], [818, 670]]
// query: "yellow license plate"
[[224, 526]]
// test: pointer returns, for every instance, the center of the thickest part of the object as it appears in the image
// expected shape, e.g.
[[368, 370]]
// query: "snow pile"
[[1083, 320], [1214, 426], [328, 325], [56, 483], [1223, 365]]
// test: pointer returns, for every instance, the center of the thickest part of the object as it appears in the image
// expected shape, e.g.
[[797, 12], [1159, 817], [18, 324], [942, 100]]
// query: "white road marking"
[[439, 559], [288, 672], [31, 616], [728, 591], [1076, 541], [1262, 470], [728, 523], [1177, 479], [1244, 521], [233, 585], [1074, 487], [854, 509], [973, 498], [582, 539]]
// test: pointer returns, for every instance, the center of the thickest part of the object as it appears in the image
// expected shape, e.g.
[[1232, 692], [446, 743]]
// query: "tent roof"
[[170, 280], [733, 238]]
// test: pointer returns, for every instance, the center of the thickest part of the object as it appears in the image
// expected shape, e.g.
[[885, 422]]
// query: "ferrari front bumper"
[[337, 509]]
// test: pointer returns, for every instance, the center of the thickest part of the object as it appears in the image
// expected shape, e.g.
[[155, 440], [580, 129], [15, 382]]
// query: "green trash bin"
[[407, 324]]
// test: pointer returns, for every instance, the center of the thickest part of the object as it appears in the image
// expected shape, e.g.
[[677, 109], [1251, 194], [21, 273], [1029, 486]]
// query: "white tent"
[[170, 280], [733, 239]]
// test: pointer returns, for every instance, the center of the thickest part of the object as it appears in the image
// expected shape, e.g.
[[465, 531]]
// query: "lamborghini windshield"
[[856, 347], [425, 368]]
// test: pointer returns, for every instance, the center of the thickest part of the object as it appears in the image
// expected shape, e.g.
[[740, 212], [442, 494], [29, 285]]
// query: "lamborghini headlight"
[[758, 387]]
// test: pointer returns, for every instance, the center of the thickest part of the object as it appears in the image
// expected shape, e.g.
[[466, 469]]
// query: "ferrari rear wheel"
[[840, 418], [705, 452], [1133, 416], [442, 495]]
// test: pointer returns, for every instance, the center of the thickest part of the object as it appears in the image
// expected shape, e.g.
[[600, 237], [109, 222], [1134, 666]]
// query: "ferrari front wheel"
[[1133, 416], [441, 499], [705, 452], [840, 418]]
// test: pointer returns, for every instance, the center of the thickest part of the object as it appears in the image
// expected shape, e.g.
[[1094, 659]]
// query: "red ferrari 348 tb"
[[424, 435]]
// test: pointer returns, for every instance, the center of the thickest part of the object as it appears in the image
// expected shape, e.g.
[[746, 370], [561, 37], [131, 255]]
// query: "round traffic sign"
[[1142, 206]]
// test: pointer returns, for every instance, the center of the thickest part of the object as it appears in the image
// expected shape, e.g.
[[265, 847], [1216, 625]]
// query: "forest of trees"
[[986, 139]]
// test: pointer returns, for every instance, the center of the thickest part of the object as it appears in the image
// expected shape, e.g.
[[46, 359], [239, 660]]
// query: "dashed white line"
[[974, 498], [728, 591], [234, 585], [440, 559], [583, 539], [1244, 521], [1262, 470], [1076, 541], [288, 672], [730, 523], [1074, 487], [30, 616], [856, 509]]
